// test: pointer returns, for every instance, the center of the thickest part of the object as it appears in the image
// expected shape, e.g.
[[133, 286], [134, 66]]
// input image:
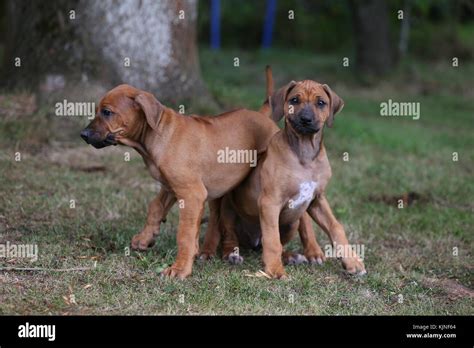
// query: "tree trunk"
[[62, 43], [374, 53], [404, 30]]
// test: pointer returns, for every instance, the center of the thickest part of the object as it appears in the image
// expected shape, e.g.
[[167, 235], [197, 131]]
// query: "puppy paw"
[[234, 259], [295, 259], [175, 272], [315, 257], [142, 242], [316, 260], [204, 256], [277, 272], [354, 266]]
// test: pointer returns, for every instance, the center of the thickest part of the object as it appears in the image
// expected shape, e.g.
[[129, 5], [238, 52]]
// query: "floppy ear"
[[336, 105], [151, 107], [277, 100]]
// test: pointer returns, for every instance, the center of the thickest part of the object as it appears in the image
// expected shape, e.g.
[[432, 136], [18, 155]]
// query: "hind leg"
[[230, 242], [213, 235], [289, 257]]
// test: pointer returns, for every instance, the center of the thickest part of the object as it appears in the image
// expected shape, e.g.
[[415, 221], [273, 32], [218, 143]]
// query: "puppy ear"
[[151, 107], [277, 100], [336, 105]]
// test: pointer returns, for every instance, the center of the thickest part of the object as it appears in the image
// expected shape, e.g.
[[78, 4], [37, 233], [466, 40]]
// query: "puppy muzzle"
[[305, 122], [93, 138]]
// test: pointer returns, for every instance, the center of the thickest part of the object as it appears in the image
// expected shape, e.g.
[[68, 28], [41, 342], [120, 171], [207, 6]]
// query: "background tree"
[[58, 44], [374, 53]]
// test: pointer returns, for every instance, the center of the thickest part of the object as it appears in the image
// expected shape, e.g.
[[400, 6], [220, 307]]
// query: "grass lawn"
[[419, 258]]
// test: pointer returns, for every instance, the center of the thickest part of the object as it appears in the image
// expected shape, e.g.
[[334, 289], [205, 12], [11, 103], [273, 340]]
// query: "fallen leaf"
[[258, 274]]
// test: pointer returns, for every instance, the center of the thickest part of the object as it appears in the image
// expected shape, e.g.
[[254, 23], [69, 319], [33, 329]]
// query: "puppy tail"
[[269, 76], [266, 108]]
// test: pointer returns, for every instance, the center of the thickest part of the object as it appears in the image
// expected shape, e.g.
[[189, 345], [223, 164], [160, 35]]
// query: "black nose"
[[305, 118], [85, 134]]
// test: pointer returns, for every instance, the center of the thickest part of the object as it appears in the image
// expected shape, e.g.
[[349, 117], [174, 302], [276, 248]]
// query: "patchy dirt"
[[90, 168], [408, 198], [84, 158], [17, 105], [451, 287]]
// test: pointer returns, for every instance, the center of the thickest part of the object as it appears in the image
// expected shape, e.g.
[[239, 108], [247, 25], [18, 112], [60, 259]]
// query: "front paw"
[[142, 241], [276, 272], [354, 266], [176, 272]]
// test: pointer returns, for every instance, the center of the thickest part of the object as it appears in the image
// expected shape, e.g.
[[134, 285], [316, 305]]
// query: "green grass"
[[409, 251]]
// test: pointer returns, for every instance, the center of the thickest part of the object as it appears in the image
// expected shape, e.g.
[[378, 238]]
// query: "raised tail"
[[266, 108], [269, 76]]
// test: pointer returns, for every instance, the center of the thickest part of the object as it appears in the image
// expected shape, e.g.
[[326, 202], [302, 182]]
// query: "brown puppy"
[[247, 235], [290, 180], [181, 152]]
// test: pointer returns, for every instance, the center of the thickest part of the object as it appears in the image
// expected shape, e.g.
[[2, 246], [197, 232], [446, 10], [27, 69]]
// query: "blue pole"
[[215, 24], [268, 24]]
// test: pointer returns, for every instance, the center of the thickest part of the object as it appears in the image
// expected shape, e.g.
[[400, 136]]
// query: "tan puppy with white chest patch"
[[289, 180]]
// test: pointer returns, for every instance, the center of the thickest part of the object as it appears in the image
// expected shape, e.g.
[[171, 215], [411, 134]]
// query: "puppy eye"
[[106, 112], [294, 100], [321, 103]]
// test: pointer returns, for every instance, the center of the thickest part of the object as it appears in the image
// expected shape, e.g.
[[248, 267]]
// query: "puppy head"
[[122, 114], [306, 105]]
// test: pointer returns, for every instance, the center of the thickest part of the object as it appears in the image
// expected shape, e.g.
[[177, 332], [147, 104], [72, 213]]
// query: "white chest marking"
[[305, 195]]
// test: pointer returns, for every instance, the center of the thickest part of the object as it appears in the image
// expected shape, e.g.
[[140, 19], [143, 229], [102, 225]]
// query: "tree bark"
[[61, 43], [374, 53], [404, 30]]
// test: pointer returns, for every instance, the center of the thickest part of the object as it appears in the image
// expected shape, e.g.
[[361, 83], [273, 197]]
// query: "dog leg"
[[190, 215], [230, 242], [212, 236], [289, 257], [311, 249], [321, 212], [272, 248], [157, 211]]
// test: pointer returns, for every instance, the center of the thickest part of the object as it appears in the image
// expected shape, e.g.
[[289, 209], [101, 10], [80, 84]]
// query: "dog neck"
[[306, 147], [144, 138], [139, 147], [137, 141]]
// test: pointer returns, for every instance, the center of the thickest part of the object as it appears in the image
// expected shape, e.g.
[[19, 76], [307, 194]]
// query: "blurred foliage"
[[438, 28]]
